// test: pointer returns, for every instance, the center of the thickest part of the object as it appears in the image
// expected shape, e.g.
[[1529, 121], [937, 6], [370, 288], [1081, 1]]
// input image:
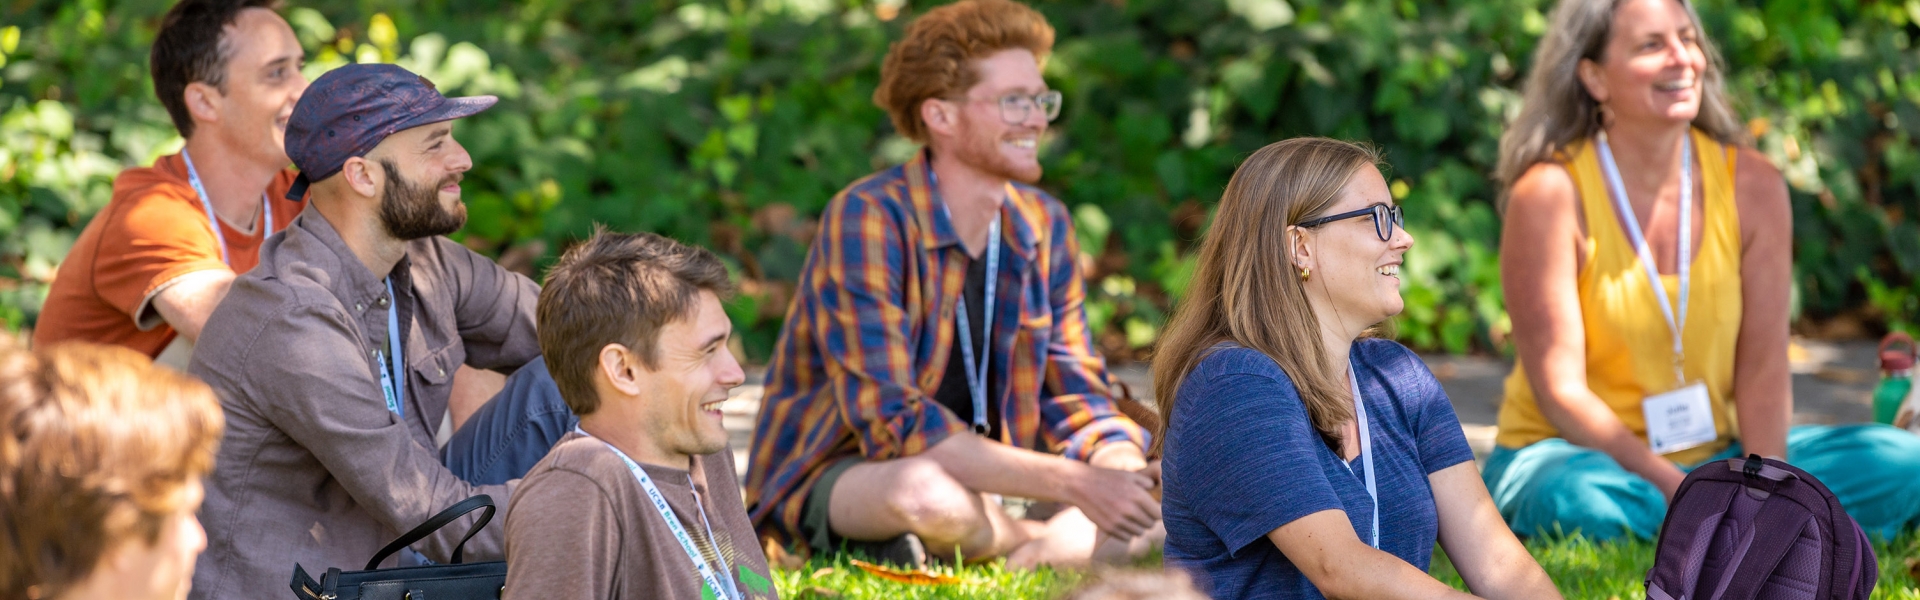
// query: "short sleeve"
[[1244, 452], [1436, 429], [153, 237]]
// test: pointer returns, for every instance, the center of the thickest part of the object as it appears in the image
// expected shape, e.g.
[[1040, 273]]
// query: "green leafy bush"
[[730, 124]]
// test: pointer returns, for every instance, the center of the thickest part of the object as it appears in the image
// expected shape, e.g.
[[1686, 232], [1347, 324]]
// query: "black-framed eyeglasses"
[[1385, 218], [1015, 108]]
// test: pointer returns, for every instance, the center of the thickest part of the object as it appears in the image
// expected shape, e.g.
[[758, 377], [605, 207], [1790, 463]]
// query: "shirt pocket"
[[435, 370]]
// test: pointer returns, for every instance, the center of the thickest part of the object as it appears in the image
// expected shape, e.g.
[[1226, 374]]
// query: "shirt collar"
[[1023, 211], [355, 282]]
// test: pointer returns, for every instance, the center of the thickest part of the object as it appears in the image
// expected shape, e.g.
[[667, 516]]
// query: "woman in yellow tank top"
[[1636, 210]]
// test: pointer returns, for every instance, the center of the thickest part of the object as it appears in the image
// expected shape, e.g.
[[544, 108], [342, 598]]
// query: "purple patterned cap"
[[349, 110]]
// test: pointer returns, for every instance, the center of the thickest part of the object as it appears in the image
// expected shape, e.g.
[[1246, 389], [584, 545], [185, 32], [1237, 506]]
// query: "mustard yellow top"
[[1629, 347]]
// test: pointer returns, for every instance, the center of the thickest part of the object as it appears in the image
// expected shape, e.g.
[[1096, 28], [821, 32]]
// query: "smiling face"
[[262, 83], [981, 136], [693, 372], [421, 170], [1354, 276], [1653, 67]]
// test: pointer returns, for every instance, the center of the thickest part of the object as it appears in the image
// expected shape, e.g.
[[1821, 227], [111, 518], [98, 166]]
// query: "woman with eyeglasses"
[[1303, 458], [1647, 266]]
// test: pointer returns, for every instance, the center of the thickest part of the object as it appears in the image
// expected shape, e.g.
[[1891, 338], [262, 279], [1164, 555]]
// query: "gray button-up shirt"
[[314, 469]]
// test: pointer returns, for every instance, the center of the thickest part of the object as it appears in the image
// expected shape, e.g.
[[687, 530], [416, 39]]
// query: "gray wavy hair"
[[1556, 110]]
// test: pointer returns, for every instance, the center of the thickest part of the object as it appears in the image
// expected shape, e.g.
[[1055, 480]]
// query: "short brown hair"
[[192, 46], [99, 447], [618, 288], [935, 60]]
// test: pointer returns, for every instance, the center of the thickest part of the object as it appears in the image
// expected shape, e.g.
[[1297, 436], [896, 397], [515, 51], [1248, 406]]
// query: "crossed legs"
[[881, 500]]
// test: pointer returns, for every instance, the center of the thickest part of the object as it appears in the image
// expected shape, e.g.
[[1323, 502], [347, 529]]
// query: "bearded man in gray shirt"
[[333, 358]]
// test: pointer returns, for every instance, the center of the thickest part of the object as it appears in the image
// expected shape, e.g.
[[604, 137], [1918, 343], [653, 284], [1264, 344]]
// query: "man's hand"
[[1119, 500], [1122, 456]]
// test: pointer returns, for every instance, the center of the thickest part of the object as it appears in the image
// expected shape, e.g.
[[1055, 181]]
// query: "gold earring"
[[1305, 273]]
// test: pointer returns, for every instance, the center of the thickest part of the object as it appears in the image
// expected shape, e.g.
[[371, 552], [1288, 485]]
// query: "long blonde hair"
[[1246, 291], [1556, 110]]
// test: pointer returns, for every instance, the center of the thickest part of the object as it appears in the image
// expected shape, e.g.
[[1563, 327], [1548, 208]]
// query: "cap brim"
[[453, 108]]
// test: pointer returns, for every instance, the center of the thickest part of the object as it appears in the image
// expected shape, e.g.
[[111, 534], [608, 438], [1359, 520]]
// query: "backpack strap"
[[1770, 545], [1686, 544]]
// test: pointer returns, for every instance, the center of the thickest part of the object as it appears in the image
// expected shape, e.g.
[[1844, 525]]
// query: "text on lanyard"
[[393, 382], [722, 587]]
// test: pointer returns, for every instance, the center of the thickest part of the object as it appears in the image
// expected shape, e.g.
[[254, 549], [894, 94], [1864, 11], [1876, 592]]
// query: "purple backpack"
[[1759, 529]]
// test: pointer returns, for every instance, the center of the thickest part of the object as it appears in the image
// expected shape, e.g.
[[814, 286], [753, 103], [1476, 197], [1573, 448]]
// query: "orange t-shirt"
[[153, 231]]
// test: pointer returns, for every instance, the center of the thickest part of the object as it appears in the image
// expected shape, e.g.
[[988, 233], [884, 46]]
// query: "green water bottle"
[[1896, 376]]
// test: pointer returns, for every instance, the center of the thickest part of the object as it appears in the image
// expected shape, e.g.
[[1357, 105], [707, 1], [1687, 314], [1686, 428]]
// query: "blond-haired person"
[[1304, 459], [1647, 263], [100, 473]]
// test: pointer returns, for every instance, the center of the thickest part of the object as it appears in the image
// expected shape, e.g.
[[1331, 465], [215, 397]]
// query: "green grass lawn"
[[1581, 568]]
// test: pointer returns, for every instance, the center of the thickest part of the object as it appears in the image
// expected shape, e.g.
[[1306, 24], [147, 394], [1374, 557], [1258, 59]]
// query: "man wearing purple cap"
[[333, 359]]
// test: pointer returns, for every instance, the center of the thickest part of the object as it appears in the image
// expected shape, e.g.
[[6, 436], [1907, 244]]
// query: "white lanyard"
[[193, 178], [392, 378], [1366, 453], [977, 369], [1676, 320], [722, 587]]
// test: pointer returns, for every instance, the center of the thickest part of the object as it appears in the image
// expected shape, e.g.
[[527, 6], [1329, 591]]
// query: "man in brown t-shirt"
[[633, 331], [150, 267]]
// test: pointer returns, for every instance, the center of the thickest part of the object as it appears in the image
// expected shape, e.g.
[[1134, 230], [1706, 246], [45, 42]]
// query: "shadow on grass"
[[1583, 569]]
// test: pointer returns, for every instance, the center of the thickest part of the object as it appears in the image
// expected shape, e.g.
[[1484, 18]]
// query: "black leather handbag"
[[457, 581]]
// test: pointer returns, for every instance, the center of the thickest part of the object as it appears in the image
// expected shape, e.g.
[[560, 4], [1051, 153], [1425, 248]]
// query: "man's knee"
[[933, 503]]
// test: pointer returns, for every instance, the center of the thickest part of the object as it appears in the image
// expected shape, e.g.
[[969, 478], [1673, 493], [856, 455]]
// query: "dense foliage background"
[[730, 123]]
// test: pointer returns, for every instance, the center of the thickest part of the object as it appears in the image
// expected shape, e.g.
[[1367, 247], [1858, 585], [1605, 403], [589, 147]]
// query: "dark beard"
[[982, 153], [411, 212]]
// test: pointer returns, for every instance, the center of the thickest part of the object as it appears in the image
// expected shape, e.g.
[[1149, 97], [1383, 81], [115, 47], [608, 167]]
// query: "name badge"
[[1679, 419]]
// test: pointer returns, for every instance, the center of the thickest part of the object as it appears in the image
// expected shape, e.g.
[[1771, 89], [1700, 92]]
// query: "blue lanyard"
[[977, 369], [1366, 452], [722, 587], [977, 373], [1676, 323], [193, 178], [392, 377]]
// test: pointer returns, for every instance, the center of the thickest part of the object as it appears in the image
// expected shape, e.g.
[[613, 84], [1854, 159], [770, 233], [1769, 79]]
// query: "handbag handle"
[[420, 532]]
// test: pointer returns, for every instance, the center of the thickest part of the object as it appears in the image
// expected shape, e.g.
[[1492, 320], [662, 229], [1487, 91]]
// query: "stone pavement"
[[1832, 383]]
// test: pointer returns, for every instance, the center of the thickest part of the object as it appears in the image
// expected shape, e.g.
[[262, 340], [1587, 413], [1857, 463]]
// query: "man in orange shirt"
[[152, 265]]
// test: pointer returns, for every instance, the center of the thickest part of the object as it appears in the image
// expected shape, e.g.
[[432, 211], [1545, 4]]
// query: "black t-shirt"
[[953, 392]]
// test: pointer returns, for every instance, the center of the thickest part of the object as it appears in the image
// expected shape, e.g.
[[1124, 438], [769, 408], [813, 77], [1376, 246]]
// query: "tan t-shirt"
[[581, 527], [153, 231]]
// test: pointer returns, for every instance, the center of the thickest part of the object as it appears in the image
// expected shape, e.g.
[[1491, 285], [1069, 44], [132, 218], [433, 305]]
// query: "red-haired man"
[[936, 356]]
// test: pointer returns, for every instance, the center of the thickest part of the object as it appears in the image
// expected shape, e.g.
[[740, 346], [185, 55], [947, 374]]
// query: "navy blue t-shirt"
[[1242, 459]]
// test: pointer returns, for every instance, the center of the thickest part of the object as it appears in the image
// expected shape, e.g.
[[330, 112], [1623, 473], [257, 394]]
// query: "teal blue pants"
[[1554, 487]]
